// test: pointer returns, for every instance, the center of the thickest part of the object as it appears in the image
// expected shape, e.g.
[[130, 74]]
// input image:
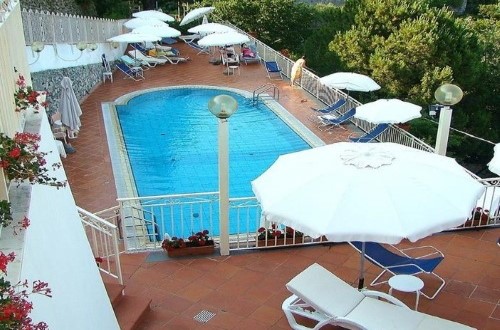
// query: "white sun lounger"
[[140, 56], [321, 296]]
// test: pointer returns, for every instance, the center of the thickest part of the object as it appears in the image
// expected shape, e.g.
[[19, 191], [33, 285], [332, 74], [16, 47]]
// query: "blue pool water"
[[171, 141]]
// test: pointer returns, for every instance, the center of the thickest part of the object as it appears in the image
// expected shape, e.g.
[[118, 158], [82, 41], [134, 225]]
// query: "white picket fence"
[[55, 28]]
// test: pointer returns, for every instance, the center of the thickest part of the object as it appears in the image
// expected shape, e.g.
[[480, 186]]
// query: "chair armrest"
[[385, 296]]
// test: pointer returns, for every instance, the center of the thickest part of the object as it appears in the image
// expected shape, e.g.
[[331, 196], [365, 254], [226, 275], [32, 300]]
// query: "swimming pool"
[[164, 141], [171, 141]]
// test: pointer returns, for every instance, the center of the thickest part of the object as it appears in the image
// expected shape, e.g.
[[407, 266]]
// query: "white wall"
[[59, 56], [56, 250]]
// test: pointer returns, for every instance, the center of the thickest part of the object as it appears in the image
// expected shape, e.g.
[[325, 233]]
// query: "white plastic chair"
[[108, 73]]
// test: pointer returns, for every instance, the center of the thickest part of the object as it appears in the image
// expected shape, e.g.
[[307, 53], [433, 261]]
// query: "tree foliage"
[[278, 23]]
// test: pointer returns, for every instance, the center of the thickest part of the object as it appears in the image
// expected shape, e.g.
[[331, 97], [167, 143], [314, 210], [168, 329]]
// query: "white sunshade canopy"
[[134, 37], [494, 164], [350, 81], [222, 39], [391, 111], [379, 192], [154, 14], [210, 28], [195, 14], [138, 22], [158, 30]]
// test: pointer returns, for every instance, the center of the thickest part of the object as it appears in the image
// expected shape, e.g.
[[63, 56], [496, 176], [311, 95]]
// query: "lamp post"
[[223, 106], [446, 95]]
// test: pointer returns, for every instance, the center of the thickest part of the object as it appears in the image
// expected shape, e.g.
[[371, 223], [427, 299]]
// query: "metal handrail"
[[264, 88], [103, 239]]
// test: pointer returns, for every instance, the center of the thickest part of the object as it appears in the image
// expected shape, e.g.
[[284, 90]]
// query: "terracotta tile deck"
[[245, 290]]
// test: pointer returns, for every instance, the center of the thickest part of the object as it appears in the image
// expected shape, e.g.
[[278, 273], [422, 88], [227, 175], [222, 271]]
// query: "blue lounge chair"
[[130, 62], [400, 263], [135, 74], [140, 48], [331, 121], [371, 135], [168, 41], [200, 49], [333, 107], [273, 70]]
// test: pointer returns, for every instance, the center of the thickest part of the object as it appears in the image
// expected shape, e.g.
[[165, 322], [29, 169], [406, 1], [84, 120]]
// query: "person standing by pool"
[[297, 69]]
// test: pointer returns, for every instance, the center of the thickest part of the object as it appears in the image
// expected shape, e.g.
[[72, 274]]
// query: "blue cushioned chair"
[[135, 74], [273, 70], [398, 262], [371, 135], [330, 121]]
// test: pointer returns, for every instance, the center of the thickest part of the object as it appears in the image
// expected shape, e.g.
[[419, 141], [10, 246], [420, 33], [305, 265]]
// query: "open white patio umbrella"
[[210, 28], [137, 22], [350, 81], [494, 164], [158, 30], [134, 37], [223, 39], [69, 108], [195, 14], [390, 111], [379, 192], [154, 14]]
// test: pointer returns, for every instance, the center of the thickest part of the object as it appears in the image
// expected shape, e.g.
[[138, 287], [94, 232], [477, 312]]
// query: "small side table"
[[406, 283]]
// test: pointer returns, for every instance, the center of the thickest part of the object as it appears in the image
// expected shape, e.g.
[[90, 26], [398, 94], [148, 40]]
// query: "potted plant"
[[274, 236], [479, 217], [196, 244]]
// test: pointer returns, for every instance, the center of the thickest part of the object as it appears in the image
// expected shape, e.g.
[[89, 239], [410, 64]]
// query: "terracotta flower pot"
[[279, 241], [192, 251]]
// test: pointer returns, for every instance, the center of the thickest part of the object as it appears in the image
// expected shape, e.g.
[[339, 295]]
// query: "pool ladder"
[[264, 88]]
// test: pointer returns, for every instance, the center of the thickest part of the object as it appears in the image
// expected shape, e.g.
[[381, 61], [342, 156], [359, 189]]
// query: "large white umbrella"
[[494, 164], [223, 39], [210, 28], [379, 192], [137, 22], [158, 30], [350, 81], [390, 111], [134, 37], [154, 14], [195, 14]]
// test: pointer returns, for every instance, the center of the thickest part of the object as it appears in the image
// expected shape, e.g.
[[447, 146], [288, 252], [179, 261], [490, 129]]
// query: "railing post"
[[117, 257]]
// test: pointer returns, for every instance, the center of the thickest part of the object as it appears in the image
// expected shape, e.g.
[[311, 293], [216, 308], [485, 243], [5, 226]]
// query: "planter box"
[[278, 242], [191, 251]]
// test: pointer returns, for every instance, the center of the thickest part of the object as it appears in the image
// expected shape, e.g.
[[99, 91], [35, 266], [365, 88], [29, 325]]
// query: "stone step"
[[129, 310], [114, 293]]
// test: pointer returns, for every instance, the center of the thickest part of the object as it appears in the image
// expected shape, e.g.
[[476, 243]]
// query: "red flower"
[[5, 259], [15, 153], [25, 223]]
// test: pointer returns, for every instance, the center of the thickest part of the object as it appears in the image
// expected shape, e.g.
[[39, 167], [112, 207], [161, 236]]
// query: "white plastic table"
[[406, 283]]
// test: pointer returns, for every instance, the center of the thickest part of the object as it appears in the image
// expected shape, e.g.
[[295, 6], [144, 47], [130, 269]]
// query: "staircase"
[[130, 311]]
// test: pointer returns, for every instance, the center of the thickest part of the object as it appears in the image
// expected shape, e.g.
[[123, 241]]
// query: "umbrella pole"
[[361, 281]]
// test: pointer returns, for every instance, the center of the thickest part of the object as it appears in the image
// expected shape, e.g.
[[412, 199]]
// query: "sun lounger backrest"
[[314, 281]]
